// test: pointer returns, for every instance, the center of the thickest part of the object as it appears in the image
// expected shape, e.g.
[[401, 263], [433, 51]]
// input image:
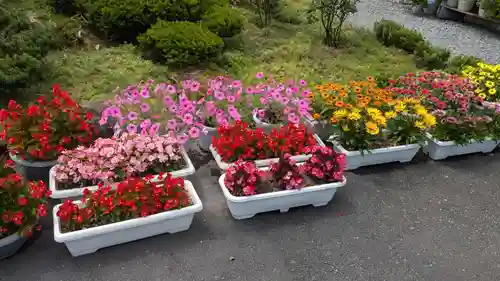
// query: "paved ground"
[[458, 37], [421, 221]]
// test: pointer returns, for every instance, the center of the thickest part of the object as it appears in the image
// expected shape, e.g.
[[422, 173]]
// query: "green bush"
[[124, 20], [431, 58], [458, 63], [224, 21], [69, 7], [391, 33], [180, 43], [287, 13], [23, 45]]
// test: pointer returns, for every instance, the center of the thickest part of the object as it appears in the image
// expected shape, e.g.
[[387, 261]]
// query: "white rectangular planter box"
[[244, 207], [438, 150], [401, 153], [87, 241], [76, 193], [263, 162]]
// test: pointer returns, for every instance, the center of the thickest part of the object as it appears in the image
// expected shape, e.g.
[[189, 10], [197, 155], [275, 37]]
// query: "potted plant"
[[463, 125], [22, 203], [239, 142], [223, 102], [281, 103], [250, 190], [466, 5], [371, 126], [112, 160], [137, 209], [163, 108], [38, 133], [429, 7]]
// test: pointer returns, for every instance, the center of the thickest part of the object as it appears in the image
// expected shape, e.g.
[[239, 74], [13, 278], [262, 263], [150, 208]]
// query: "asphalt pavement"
[[425, 220]]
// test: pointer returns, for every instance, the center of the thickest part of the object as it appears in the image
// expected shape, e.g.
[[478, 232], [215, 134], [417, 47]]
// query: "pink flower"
[[144, 107], [259, 75], [303, 83], [194, 132], [131, 128], [171, 89]]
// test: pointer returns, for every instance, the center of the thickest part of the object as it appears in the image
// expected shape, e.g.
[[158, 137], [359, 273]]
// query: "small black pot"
[[10, 245], [33, 171]]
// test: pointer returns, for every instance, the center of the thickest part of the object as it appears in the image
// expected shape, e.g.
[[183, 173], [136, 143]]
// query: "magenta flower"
[[132, 129], [182, 139], [188, 119], [144, 107], [194, 132], [168, 101], [219, 95], [132, 115], [250, 91], [293, 118], [171, 89], [236, 84], [153, 130], [263, 100], [145, 92], [261, 113], [231, 99], [145, 124], [306, 93], [303, 83], [113, 111], [171, 124], [259, 75]]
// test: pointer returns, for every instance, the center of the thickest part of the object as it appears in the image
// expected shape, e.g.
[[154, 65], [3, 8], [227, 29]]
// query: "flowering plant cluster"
[[286, 174], [325, 165], [282, 102], [224, 102], [460, 112], [366, 117], [487, 79], [238, 141], [164, 108], [21, 202], [108, 160], [133, 198], [245, 179], [45, 128]]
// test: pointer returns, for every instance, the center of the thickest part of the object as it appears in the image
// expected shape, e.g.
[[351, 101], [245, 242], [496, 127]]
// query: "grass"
[[93, 71]]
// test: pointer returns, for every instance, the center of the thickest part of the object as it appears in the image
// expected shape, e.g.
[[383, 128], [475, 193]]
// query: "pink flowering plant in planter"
[[225, 102], [150, 109], [460, 113], [112, 160], [245, 179], [282, 102]]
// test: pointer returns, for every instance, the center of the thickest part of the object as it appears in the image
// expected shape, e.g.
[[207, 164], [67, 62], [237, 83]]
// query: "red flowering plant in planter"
[[460, 113], [41, 131], [325, 165], [245, 179], [133, 198], [21, 202], [240, 142]]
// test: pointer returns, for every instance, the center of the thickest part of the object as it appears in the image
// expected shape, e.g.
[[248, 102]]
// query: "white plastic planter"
[[244, 207], [263, 162], [438, 150], [87, 241], [76, 193], [401, 153]]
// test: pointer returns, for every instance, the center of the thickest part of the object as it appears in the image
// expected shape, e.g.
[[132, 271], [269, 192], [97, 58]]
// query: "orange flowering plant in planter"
[[365, 117]]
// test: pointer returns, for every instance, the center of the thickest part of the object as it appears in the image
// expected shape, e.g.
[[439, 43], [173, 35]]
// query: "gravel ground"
[[423, 221], [460, 38]]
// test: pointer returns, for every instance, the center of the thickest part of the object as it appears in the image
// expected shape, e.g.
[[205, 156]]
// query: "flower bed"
[[465, 124], [284, 185], [137, 209], [238, 142], [111, 160]]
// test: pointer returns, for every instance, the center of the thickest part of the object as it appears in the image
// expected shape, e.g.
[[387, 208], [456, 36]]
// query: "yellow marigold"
[[316, 116], [341, 113], [420, 125], [390, 114], [380, 120], [492, 91], [355, 116], [490, 84], [482, 95], [429, 120], [372, 128], [400, 106], [419, 109], [373, 111], [478, 90]]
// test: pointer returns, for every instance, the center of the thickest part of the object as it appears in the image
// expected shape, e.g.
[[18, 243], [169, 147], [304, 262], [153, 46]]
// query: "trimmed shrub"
[[431, 58], [23, 45], [458, 63], [224, 21], [180, 43], [124, 20], [394, 34]]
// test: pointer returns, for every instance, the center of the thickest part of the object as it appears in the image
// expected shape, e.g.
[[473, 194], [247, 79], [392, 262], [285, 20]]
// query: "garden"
[[111, 99]]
